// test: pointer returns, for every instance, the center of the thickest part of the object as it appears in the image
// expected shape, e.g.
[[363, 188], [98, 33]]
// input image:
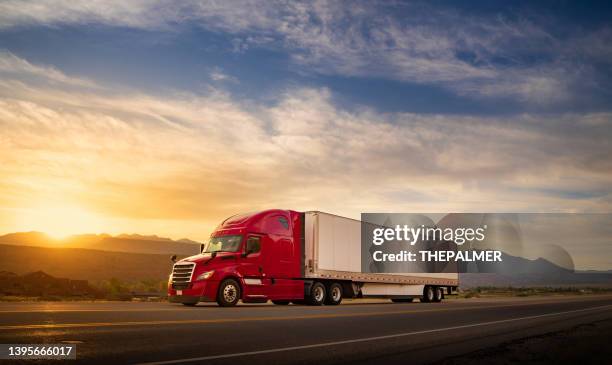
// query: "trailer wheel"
[[334, 294], [438, 294], [280, 302], [317, 294], [229, 293], [428, 294]]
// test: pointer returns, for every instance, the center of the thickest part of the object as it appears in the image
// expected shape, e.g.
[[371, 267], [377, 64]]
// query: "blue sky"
[[163, 117], [429, 57]]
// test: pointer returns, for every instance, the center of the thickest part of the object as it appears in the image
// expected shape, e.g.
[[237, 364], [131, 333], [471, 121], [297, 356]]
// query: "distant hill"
[[511, 265], [471, 280], [521, 272], [41, 284], [105, 242], [27, 239], [84, 264]]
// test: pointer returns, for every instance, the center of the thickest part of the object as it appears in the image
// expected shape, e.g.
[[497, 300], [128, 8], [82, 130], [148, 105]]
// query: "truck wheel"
[[229, 293], [428, 294], [334, 294], [437, 294], [402, 300], [317, 294], [280, 302]]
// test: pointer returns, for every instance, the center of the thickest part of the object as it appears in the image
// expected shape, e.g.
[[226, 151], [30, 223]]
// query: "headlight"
[[205, 275]]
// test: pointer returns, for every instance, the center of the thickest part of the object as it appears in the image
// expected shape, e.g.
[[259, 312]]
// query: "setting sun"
[[59, 221]]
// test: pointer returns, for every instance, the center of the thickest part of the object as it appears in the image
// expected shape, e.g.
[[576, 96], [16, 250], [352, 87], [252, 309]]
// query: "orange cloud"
[[176, 165]]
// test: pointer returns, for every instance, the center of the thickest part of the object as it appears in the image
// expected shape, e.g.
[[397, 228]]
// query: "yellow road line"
[[249, 319]]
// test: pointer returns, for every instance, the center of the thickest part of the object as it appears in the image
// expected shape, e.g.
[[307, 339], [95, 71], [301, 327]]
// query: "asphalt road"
[[357, 332]]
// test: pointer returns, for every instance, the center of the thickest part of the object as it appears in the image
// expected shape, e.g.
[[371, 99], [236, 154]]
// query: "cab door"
[[252, 268], [279, 262]]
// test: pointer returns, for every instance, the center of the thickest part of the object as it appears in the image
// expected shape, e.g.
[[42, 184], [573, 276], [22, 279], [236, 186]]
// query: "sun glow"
[[60, 221]]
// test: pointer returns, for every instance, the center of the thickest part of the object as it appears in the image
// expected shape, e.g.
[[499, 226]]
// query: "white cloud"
[[527, 86], [217, 74], [138, 13], [15, 66]]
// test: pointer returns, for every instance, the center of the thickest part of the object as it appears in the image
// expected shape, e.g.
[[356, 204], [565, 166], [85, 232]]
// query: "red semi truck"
[[287, 256]]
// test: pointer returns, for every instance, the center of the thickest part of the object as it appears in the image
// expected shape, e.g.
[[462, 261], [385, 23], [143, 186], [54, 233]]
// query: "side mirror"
[[173, 258], [201, 247]]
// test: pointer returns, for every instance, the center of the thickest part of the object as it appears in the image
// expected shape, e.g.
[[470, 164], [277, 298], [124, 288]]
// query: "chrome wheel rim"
[[336, 294], [318, 294], [430, 294], [229, 293]]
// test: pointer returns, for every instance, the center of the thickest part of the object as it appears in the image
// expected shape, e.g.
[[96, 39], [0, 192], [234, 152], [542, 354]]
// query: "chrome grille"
[[181, 273]]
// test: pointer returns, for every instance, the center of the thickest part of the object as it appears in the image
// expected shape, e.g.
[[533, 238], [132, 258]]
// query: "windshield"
[[223, 244]]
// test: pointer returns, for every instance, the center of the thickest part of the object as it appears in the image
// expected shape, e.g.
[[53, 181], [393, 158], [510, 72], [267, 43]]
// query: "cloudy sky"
[[161, 118]]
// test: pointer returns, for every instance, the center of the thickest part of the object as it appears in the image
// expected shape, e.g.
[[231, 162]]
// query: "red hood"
[[204, 257]]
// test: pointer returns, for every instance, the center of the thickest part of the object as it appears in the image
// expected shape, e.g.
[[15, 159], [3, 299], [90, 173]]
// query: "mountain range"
[[136, 257], [133, 243]]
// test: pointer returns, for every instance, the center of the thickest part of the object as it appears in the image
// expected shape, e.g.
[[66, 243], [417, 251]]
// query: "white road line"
[[376, 338]]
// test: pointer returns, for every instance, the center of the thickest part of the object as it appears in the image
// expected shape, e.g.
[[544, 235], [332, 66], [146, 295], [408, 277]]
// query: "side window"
[[284, 222], [276, 225], [253, 245]]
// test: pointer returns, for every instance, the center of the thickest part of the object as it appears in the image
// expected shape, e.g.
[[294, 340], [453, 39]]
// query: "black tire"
[[280, 302], [334, 294], [229, 293], [190, 304], [428, 294], [317, 294], [438, 295], [402, 300]]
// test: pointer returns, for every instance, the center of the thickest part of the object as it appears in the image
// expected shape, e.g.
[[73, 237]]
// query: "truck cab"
[[252, 257]]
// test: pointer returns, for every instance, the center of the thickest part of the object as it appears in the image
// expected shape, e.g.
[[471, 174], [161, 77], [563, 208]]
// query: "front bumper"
[[197, 291]]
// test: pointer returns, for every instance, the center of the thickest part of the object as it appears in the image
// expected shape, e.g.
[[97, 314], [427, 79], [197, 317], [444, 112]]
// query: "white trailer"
[[333, 254]]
